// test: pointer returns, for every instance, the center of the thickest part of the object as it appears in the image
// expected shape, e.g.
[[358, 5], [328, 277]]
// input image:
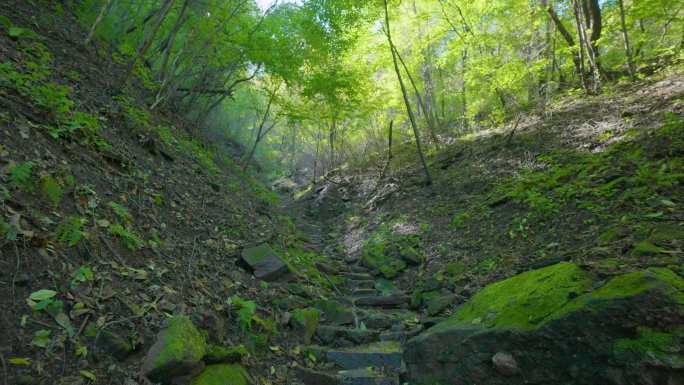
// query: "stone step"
[[390, 301], [365, 292], [363, 376], [357, 276], [386, 355], [386, 318], [358, 269], [365, 284], [339, 335]]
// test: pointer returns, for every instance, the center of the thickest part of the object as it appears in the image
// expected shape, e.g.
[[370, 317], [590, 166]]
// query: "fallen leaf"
[[22, 361], [89, 375]]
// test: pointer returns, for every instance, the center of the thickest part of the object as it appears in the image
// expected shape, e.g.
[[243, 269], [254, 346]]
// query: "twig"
[[517, 122], [111, 250], [14, 276], [80, 330], [4, 368]]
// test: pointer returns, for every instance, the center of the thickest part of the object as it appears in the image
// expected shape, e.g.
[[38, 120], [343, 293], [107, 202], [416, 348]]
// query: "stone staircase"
[[361, 343]]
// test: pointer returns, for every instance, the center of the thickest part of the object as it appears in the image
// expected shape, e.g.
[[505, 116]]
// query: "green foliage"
[[121, 211], [52, 190], [21, 176], [70, 232], [128, 237], [81, 275]]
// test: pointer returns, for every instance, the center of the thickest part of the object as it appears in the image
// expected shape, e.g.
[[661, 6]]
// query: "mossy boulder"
[[389, 252], [222, 374], [178, 350], [264, 262], [561, 326], [224, 354]]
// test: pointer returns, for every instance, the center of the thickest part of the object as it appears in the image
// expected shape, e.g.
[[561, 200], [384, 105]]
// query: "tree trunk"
[[587, 42], [409, 110], [260, 131], [149, 38], [98, 20], [576, 55], [171, 39], [421, 102], [625, 36]]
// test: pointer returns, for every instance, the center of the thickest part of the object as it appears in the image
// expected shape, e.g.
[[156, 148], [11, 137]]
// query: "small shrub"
[[21, 176], [121, 211], [129, 239], [51, 190], [70, 233]]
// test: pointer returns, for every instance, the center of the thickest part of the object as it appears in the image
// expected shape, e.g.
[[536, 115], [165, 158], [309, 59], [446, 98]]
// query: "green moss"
[[222, 374], [379, 347], [180, 342], [221, 354], [308, 318], [651, 343], [638, 282], [647, 248], [526, 300]]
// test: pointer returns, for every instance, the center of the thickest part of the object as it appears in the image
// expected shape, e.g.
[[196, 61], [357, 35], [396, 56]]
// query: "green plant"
[[121, 211], [51, 189], [246, 311], [81, 275], [129, 239], [21, 176], [70, 232]]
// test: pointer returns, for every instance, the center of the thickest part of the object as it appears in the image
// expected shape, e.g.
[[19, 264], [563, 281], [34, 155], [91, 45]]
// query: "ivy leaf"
[[42, 295], [41, 338]]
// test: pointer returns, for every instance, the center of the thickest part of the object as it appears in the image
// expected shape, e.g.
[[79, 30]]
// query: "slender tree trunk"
[[419, 98], [464, 113], [98, 20], [171, 39], [149, 38], [625, 36], [389, 150], [260, 132], [576, 55], [409, 110]]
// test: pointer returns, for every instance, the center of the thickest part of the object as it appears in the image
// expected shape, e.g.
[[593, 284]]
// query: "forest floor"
[[113, 219]]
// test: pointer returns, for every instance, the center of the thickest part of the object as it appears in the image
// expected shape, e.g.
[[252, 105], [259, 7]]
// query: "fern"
[[20, 176], [121, 211], [52, 190], [129, 239], [70, 232]]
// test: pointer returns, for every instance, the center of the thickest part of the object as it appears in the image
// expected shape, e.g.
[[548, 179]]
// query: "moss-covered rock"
[[224, 354], [307, 320], [562, 327], [388, 252], [222, 374], [527, 299], [178, 350]]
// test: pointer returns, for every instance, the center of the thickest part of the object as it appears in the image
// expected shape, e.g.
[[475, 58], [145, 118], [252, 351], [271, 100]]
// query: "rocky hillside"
[[133, 251], [113, 218], [582, 200]]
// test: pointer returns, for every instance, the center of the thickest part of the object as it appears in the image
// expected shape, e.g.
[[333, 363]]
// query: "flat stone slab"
[[315, 377], [387, 355], [394, 300], [265, 263], [357, 276], [365, 377], [331, 334], [364, 284]]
